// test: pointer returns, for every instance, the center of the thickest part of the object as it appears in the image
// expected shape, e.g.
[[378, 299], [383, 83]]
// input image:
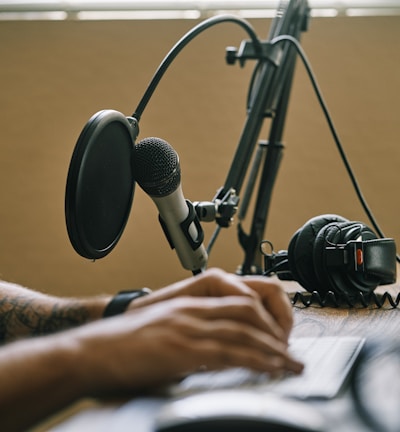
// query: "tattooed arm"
[[24, 312], [214, 319]]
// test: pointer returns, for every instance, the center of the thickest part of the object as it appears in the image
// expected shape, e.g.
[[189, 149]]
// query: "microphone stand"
[[274, 148], [269, 97]]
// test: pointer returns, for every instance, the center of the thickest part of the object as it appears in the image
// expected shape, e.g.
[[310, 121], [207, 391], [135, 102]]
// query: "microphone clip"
[[190, 227]]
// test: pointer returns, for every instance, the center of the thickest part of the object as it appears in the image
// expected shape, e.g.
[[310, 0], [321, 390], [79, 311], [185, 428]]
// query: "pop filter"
[[100, 184]]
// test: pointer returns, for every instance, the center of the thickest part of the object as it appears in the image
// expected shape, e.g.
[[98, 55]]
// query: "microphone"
[[157, 171]]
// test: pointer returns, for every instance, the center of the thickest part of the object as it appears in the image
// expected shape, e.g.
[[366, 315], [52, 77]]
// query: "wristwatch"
[[119, 303]]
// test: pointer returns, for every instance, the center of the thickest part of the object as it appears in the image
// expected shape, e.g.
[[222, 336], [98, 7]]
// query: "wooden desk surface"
[[369, 322]]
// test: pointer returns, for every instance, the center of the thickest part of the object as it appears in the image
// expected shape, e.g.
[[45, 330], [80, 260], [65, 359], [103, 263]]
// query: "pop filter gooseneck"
[[177, 48]]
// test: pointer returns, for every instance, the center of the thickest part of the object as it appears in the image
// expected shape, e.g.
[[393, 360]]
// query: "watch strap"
[[119, 303]]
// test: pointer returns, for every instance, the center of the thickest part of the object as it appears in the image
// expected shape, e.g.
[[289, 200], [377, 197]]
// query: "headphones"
[[331, 253]]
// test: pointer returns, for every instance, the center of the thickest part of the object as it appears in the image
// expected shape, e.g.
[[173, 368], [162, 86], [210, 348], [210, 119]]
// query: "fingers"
[[275, 301], [223, 343], [166, 340], [274, 311], [240, 309], [217, 283], [217, 356], [234, 331]]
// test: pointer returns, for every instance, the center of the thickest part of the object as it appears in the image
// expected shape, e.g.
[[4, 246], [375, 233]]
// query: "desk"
[[370, 322]]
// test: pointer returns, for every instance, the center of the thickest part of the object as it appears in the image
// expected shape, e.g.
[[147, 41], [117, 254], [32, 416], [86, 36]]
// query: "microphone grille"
[[156, 167]]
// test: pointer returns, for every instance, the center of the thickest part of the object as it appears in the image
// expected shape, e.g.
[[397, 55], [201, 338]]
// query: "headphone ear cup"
[[301, 251], [342, 279], [331, 234]]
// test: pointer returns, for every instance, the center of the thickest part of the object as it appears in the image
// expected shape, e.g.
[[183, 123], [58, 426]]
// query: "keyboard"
[[328, 362]]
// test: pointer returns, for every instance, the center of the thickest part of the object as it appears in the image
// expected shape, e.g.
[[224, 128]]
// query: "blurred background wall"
[[55, 74]]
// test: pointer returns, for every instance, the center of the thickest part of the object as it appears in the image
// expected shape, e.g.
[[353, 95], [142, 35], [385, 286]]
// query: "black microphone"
[[157, 171]]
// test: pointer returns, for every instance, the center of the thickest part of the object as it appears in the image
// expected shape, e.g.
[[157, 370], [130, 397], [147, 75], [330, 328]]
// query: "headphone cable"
[[332, 128]]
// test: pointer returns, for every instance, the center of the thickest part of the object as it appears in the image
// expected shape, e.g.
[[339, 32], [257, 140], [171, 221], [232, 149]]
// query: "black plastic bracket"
[[247, 51]]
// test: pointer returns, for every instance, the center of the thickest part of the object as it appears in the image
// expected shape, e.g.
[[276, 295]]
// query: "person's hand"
[[166, 340], [217, 283]]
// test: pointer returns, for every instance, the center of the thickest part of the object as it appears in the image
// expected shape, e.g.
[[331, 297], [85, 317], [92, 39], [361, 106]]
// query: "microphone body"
[[182, 232], [157, 171]]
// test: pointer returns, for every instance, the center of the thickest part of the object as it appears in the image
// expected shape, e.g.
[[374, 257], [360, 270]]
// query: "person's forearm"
[[28, 313], [38, 377]]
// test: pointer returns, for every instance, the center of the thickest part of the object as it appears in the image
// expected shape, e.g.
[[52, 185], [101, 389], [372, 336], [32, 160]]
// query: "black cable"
[[332, 128], [276, 268], [358, 299], [177, 48], [213, 239]]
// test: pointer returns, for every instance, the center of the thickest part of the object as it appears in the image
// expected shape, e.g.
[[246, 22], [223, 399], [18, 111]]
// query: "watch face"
[[376, 385]]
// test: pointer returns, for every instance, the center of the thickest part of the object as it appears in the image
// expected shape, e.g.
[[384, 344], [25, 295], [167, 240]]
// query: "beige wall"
[[55, 75]]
